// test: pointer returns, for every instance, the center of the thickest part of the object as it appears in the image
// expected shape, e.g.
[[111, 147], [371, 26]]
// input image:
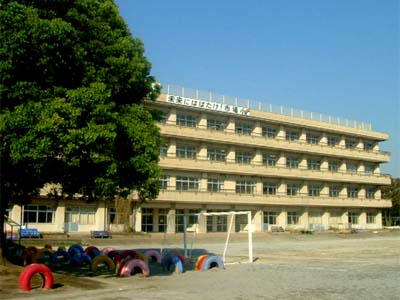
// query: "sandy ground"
[[363, 265]]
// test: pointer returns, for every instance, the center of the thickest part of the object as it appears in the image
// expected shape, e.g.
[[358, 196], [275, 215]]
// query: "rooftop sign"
[[220, 107]]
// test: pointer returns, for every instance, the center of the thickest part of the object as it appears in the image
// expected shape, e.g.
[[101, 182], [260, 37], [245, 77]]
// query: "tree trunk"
[[3, 244]]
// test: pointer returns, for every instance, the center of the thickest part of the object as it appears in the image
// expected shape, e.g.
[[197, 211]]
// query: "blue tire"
[[75, 249], [61, 256]]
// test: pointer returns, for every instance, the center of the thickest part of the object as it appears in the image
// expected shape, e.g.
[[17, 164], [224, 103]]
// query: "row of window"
[[269, 131], [293, 218], [268, 159], [188, 183]]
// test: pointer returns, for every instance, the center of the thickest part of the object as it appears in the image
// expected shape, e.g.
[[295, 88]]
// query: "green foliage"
[[392, 192], [72, 79]]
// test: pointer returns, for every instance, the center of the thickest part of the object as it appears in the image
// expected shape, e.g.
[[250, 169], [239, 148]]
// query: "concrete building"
[[290, 168]]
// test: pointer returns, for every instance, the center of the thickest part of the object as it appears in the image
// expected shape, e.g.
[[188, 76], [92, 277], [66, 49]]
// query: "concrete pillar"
[[361, 168], [304, 189], [281, 187], [282, 219], [202, 222], [202, 154], [362, 193], [100, 216], [281, 133], [303, 220], [303, 162], [324, 164], [60, 216], [324, 140], [203, 121], [171, 220], [281, 162], [303, 136], [342, 166], [362, 220], [171, 152], [203, 182], [258, 221], [230, 157], [230, 185], [257, 131], [324, 190], [258, 157], [378, 220], [377, 170], [172, 116], [360, 144], [376, 147], [378, 194], [16, 214], [137, 219], [342, 142], [325, 219], [259, 187], [230, 127], [343, 192]]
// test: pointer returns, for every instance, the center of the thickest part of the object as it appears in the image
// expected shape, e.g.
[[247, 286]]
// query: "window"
[[269, 159], [313, 191], [186, 183], [352, 192], [335, 217], [164, 182], [215, 185], [163, 149], [214, 124], [292, 189], [371, 218], [81, 215], [38, 214], [292, 162], [350, 144], [368, 146], [333, 166], [351, 168], [353, 218], [292, 135], [333, 141], [269, 132], [313, 164], [186, 120], [292, 218], [245, 187], [370, 193], [186, 151], [163, 117], [312, 138], [243, 128], [270, 217], [243, 157], [216, 154], [369, 169], [269, 188], [147, 219], [334, 191]]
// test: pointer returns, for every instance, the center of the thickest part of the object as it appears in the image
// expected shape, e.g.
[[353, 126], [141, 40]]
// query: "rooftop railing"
[[262, 106]]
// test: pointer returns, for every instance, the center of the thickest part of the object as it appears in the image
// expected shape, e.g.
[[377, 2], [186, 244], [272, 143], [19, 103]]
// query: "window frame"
[[215, 185], [245, 187], [186, 120], [187, 183], [186, 151]]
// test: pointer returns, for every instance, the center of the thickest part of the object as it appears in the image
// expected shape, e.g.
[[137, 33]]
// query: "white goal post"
[[229, 230]]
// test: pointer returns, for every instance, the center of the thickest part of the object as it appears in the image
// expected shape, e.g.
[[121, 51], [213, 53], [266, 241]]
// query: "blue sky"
[[334, 57]]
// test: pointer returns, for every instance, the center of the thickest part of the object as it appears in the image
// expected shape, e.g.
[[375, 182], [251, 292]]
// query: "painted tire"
[[131, 264], [115, 256], [211, 262], [142, 257], [26, 275], [106, 250], [99, 260], [64, 255], [30, 255], [44, 256], [181, 257], [199, 262], [170, 260], [128, 253], [80, 258], [153, 255], [92, 251], [75, 249]]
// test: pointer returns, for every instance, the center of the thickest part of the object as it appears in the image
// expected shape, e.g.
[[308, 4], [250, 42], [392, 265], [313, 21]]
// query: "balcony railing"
[[262, 106]]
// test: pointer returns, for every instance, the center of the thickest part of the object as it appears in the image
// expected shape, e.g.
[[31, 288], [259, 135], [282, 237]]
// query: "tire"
[[181, 257], [142, 257], [199, 262], [26, 275], [131, 264], [212, 261], [75, 249], [92, 251], [130, 253], [61, 253], [170, 260], [115, 256], [44, 256], [153, 255], [98, 260], [30, 255], [106, 250]]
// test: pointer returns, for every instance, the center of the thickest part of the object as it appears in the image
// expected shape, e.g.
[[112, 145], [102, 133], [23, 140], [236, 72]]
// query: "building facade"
[[291, 169]]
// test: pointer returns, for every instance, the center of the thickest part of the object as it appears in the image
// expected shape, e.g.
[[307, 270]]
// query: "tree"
[[392, 192], [72, 80]]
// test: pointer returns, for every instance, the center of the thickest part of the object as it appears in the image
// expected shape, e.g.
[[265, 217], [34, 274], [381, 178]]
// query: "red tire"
[[26, 275], [199, 263], [126, 253]]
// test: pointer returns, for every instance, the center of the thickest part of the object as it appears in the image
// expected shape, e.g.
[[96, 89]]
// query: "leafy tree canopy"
[[72, 78]]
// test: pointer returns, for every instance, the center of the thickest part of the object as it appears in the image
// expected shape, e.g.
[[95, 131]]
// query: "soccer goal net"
[[194, 238]]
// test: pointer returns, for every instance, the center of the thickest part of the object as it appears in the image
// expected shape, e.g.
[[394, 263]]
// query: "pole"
[[227, 237], [250, 229], [185, 236]]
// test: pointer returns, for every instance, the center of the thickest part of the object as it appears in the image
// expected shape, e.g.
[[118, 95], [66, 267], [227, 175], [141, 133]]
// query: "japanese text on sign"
[[227, 108]]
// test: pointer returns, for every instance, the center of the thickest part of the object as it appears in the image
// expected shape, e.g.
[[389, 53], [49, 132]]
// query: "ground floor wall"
[[160, 216]]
